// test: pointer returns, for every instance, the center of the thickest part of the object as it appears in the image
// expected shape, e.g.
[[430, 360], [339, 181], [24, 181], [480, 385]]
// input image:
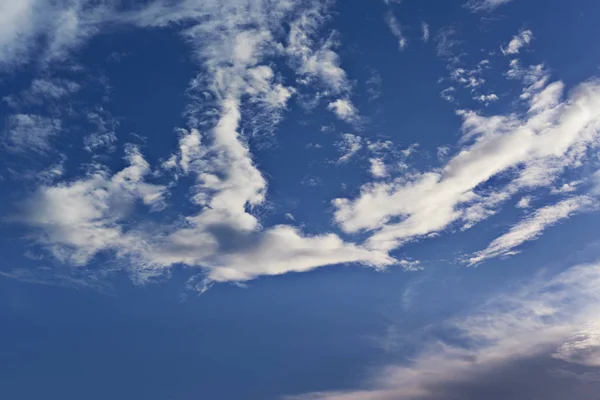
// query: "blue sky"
[[277, 199]]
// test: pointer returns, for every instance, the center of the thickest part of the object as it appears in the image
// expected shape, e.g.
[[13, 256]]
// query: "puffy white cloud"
[[524, 202], [378, 169], [78, 219], [344, 110], [532, 227], [518, 42], [536, 147], [81, 218], [283, 249], [520, 331]]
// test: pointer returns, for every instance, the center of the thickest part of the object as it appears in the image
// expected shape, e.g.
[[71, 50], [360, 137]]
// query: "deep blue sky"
[[252, 199]]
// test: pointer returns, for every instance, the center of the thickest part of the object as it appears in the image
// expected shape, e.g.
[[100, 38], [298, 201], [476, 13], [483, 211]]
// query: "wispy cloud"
[[396, 30], [487, 98], [518, 42], [349, 146], [504, 349], [552, 136], [484, 5], [531, 228], [30, 133], [425, 31]]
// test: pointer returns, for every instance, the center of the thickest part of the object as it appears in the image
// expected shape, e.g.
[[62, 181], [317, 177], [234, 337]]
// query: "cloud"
[[374, 86], [234, 42], [524, 202], [446, 43], [532, 227], [103, 131], [30, 133], [484, 5], [425, 29], [17, 28], [513, 346], [446, 94], [396, 29], [487, 98], [50, 30], [377, 169], [469, 79], [566, 188], [290, 216], [349, 146], [43, 90], [442, 152], [81, 218], [518, 42], [311, 59], [533, 148], [344, 110]]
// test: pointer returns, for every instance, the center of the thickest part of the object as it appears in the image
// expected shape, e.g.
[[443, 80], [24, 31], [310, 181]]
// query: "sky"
[[299, 199]]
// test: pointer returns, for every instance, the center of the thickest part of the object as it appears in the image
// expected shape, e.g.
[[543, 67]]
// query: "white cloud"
[[29, 132], [531, 228], [566, 188], [469, 79], [55, 88], [425, 30], [80, 218], [378, 169], [553, 135], [539, 321], [63, 26], [446, 94], [487, 98], [17, 27], [518, 42], [232, 40], [349, 146], [104, 134], [396, 29], [283, 249], [311, 59], [524, 202], [344, 110], [485, 5]]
